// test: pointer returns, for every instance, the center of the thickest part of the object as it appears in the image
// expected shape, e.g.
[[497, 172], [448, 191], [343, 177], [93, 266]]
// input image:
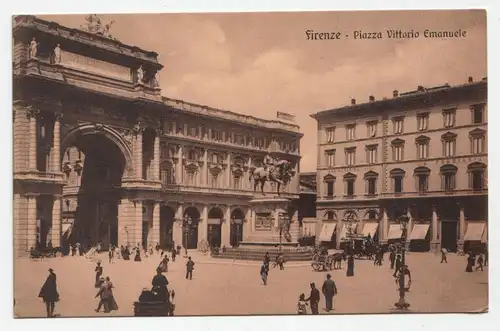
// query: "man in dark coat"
[[392, 257], [189, 268], [105, 295], [160, 284], [329, 290], [314, 299], [49, 293]]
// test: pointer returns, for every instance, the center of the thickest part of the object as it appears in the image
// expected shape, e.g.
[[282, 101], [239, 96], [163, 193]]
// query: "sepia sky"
[[260, 63]]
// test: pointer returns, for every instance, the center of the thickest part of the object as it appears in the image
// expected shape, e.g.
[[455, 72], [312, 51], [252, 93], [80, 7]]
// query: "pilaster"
[[32, 115], [56, 153], [226, 227], [138, 131], [20, 136], [56, 221], [203, 224], [434, 225], [178, 170], [138, 220], [154, 235], [247, 224], [156, 156], [228, 171], [384, 227], [177, 226], [462, 228], [205, 169], [31, 221]]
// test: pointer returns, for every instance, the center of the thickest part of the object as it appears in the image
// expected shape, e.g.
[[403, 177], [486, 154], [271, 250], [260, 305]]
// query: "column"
[[156, 156], [339, 231], [32, 115], [205, 169], [31, 221], [247, 184], [203, 224], [56, 154], [177, 227], [125, 223], [138, 151], [434, 225], [154, 234], [136, 233], [178, 170], [226, 227], [462, 227], [229, 170], [384, 227], [410, 220], [56, 222], [247, 224]]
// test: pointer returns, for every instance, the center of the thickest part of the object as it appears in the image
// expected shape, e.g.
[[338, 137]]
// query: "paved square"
[[222, 288]]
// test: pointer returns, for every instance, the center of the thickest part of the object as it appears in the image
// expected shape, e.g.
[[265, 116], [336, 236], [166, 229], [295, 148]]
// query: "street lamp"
[[402, 303]]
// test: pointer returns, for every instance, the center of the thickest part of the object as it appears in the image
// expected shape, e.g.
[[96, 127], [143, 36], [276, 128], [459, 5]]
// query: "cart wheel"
[[316, 266]]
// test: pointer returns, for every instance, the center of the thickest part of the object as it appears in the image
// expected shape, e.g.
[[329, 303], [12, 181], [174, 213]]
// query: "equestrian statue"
[[274, 170]]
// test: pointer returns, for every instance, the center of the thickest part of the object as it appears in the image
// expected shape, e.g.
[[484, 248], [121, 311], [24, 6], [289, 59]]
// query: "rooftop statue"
[[94, 25]]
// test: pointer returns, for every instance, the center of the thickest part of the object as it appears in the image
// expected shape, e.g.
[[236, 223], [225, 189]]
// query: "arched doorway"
[[214, 234], [190, 228], [94, 159], [236, 231], [166, 226]]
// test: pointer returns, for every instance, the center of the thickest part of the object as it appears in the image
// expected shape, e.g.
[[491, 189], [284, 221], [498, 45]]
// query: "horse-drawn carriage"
[[149, 305], [41, 253], [325, 261], [360, 247]]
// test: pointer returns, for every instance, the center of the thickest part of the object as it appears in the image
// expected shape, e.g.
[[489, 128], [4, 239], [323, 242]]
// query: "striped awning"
[[419, 232], [394, 231], [484, 238], [475, 231], [67, 229], [370, 228], [327, 231]]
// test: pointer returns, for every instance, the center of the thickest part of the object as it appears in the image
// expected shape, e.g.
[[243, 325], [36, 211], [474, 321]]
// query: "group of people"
[[264, 269], [481, 261], [329, 290]]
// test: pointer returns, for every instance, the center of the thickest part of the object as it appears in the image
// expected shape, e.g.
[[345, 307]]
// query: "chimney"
[[371, 98], [420, 88], [395, 93], [353, 101], [470, 79]]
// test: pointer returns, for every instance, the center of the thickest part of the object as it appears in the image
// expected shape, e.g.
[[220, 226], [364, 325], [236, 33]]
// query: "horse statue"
[[281, 172]]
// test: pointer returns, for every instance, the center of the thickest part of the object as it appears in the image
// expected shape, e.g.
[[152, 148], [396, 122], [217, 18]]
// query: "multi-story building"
[[101, 156], [422, 154]]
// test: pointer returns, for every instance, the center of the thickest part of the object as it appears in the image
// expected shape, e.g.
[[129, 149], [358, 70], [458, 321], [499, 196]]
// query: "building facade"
[[422, 154], [101, 156]]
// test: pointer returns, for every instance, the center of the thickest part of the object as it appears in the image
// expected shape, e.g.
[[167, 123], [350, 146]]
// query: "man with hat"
[[314, 299], [329, 291], [49, 293]]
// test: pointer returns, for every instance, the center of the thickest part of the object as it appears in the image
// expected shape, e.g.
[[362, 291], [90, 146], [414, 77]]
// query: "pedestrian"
[[158, 248], [350, 266], [163, 266], [314, 299], [49, 293], [302, 305], [267, 259], [111, 300], [398, 264], [160, 284], [486, 257], [137, 257], [470, 263], [150, 249], [174, 254], [264, 272], [111, 253], [280, 260], [98, 273], [392, 257], [189, 268], [444, 251], [480, 262], [104, 294], [329, 290]]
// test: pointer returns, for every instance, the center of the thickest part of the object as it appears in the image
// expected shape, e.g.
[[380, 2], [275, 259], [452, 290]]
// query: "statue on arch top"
[[94, 25]]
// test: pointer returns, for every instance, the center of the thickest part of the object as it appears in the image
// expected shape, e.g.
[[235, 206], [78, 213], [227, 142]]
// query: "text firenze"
[[389, 34]]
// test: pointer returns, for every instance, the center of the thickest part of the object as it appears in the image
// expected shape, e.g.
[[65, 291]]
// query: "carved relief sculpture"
[[33, 48], [57, 54], [140, 75]]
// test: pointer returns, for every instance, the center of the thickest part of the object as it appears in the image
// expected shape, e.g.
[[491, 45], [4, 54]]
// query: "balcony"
[[40, 177]]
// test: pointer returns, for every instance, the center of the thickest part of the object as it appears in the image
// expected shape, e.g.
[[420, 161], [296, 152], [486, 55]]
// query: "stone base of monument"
[[268, 215]]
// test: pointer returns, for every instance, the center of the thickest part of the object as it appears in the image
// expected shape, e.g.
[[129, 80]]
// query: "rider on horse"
[[269, 162]]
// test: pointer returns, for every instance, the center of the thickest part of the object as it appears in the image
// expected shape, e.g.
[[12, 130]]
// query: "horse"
[[337, 260], [279, 173]]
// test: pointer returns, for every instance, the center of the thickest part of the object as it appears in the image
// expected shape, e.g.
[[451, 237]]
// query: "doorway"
[[449, 233]]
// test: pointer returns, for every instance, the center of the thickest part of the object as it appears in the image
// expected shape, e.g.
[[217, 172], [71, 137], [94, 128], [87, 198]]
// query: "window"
[[192, 156], [477, 114], [215, 180], [239, 139], [422, 121], [330, 158], [371, 129], [422, 177], [350, 156], [477, 176], [398, 184], [237, 182], [371, 183], [449, 117], [478, 141], [330, 135], [330, 185], [448, 173], [371, 154], [330, 215], [166, 176], [449, 144], [397, 149], [422, 147], [350, 131], [349, 180], [193, 131], [191, 178], [397, 123], [216, 135]]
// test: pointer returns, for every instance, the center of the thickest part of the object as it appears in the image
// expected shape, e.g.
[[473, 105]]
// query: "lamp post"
[[402, 303], [186, 222]]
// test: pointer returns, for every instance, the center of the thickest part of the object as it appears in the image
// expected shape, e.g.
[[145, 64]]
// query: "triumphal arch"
[[100, 156]]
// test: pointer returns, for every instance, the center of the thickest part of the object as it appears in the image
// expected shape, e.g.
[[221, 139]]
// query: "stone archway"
[[236, 230], [190, 221], [94, 160], [214, 231]]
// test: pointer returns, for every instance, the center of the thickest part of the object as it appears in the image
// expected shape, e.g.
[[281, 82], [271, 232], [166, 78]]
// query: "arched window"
[[477, 139], [398, 149], [371, 182], [448, 174], [477, 176], [422, 143], [449, 140], [397, 176], [350, 215], [331, 215], [371, 214], [422, 179], [349, 182], [330, 185]]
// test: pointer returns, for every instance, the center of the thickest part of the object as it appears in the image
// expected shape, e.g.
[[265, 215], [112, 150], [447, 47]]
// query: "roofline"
[[403, 97]]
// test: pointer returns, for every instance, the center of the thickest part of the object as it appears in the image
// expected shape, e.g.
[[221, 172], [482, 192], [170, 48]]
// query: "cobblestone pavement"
[[234, 287]]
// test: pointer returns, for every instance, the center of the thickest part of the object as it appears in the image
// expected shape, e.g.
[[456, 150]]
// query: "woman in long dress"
[[112, 302], [49, 293], [470, 263], [350, 266], [98, 274]]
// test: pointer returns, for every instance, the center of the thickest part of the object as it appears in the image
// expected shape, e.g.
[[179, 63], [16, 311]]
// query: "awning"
[[327, 231], [343, 232], [213, 221], [419, 232], [67, 229], [484, 238], [475, 231], [370, 228], [394, 231]]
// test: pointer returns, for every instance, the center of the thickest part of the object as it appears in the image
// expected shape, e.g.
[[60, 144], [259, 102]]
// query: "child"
[[301, 306]]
